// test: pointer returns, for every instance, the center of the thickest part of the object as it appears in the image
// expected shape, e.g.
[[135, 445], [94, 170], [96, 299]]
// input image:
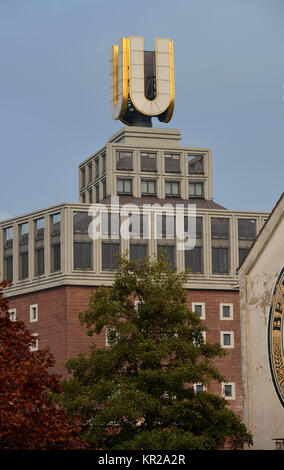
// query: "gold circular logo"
[[275, 337]]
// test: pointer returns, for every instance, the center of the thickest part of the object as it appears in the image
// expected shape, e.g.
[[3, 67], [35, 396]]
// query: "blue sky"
[[54, 92]]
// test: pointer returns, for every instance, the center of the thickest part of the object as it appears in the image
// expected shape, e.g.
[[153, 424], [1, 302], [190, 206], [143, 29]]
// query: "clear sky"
[[54, 92]]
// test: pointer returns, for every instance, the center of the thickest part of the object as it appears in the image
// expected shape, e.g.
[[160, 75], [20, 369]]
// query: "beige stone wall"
[[263, 412]]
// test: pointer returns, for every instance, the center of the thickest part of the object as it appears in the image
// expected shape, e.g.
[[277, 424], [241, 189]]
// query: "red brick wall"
[[59, 329]]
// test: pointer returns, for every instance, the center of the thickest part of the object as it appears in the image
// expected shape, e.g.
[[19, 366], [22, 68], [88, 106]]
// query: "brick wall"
[[59, 329]]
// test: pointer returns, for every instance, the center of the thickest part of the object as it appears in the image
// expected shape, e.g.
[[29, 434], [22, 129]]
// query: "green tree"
[[137, 393]]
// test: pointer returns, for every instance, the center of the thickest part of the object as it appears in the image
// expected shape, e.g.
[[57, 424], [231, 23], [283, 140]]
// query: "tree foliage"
[[137, 393], [29, 419]]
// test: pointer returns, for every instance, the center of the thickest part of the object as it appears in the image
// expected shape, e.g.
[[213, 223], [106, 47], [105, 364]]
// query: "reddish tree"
[[29, 417]]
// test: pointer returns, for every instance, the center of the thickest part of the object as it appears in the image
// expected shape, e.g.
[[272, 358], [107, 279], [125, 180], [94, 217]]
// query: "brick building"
[[140, 192], [140, 175]]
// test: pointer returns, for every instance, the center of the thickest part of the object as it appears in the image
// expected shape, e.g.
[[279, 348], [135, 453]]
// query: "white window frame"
[[232, 384], [199, 383], [231, 306], [32, 307], [106, 331], [227, 346], [203, 315], [35, 347], [13, 314]]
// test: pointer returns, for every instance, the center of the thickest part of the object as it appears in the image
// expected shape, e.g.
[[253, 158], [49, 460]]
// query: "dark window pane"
[[195, 164], [165, 226], [148, 161], [109, 255], [193, 259], [228, 390], [226, 339], [226, 311], [56, 257], [196, 189], [172, 163], [169, 253], [39, 261], [9, 268], [24, 265], [138, 252], [188, 222], [246, 229], [82, 255], [220, 228], [124, 161], [242, 254], [220, 261]]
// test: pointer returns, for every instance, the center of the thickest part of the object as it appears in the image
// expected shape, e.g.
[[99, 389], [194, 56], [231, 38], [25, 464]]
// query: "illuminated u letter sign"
[[142, 82]]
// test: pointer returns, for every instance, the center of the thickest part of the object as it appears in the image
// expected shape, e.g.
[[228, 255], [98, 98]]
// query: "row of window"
[[93, 170], [148, 162], [227, 389], [226, 310]]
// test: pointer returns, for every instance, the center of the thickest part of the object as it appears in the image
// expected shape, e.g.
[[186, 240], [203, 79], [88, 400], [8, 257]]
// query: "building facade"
[[261, 306], [139, 194]]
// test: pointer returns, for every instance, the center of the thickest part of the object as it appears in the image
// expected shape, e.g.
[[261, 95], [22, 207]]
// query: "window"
[[226, 311], [39, 261], [196, 189], [148, 187], [195, 164], [228, 390], [148, 161], [124, 160], [103, 158], [220, 240], [169, 252], [39, 246], [33, 313], [55, 242], [227, 339], [97, 193], [199, 309], [12, 314], [111, 336], [199, 388], [83, 177], [138, 251], [104, 188], [97, 167], [172, 163], [23, 251], [82, 243], [193, 260], [90, 196], [124, 186], [8, 253], [109, 255], [82, 255], [165, 225], [139, 225], [246, 236], [172, 188], [110, 224], [34, 347], [90, 171], [83, 198]]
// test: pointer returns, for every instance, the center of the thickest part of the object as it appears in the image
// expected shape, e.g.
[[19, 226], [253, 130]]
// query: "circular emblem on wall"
[[275, 337]]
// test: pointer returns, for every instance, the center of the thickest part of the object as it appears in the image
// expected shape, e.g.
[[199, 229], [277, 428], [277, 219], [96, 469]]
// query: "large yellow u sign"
[[127, 87]]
